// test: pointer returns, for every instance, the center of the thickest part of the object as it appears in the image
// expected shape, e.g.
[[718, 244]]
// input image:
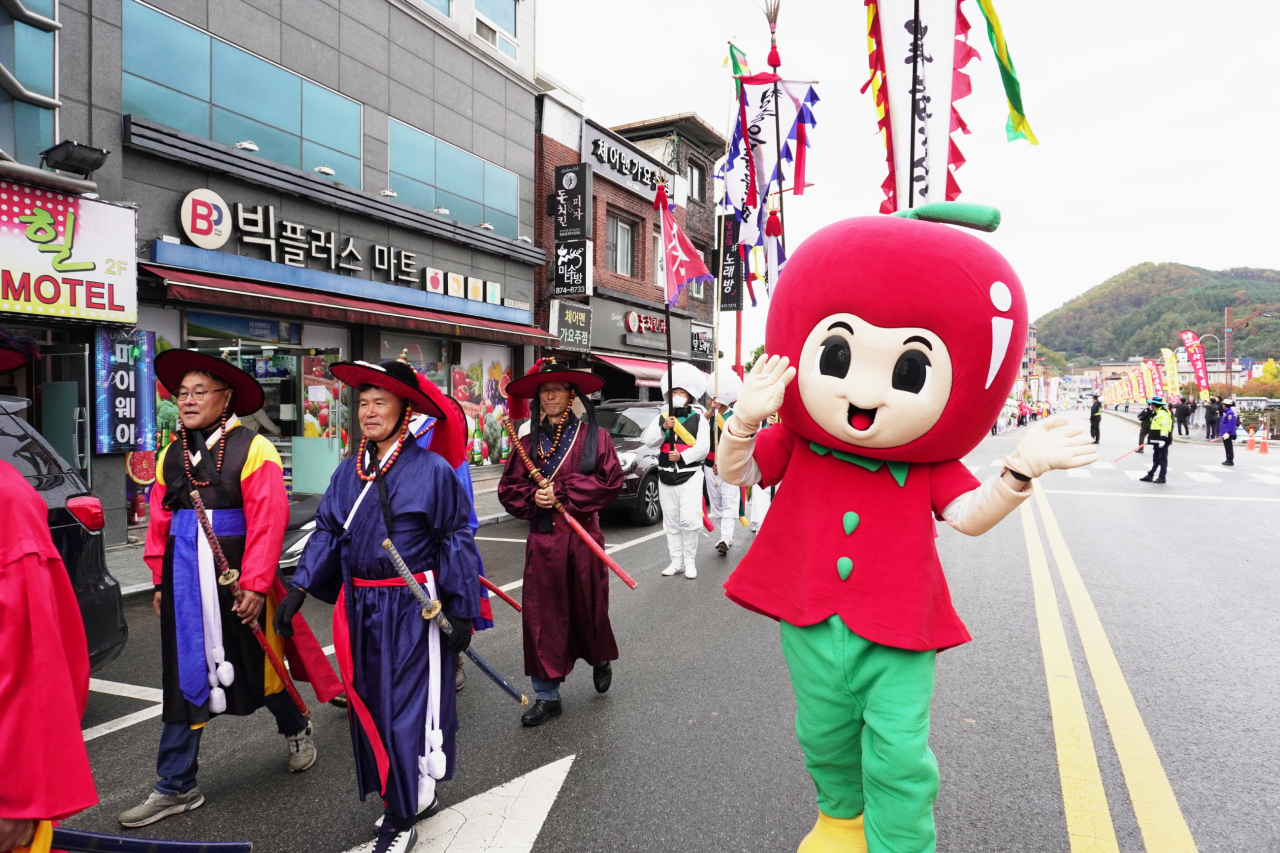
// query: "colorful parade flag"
[[1018, 127], [917, 75], [1171, 373], [680, 262], [1195, 353], [1154, 382]]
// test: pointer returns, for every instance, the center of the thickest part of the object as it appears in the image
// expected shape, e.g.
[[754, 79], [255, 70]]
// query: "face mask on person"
[[679, 400]]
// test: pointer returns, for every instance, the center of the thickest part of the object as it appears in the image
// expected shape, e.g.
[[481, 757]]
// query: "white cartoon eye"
[[1001, 328], [1000, 296]]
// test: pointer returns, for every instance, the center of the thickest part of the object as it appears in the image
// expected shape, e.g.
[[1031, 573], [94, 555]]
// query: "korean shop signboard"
[[66, 257]]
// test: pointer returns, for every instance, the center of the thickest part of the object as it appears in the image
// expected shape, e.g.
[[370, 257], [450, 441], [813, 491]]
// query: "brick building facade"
[[628, 343]]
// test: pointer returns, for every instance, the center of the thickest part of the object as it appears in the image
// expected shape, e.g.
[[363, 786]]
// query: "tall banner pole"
[[775, 62], [917, 45]]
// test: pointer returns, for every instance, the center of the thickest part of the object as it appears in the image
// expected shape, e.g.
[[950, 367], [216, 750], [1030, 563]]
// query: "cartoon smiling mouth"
[[861, 419]]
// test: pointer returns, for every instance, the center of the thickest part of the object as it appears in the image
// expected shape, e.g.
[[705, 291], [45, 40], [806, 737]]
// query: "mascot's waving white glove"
[[1051, 444], [761, 395]]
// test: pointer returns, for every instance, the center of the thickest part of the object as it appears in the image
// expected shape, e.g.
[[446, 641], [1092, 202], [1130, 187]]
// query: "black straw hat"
[[398, 377], [173, 364]]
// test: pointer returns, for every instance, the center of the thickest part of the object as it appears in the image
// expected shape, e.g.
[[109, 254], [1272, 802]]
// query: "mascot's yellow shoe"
[[835, 835]]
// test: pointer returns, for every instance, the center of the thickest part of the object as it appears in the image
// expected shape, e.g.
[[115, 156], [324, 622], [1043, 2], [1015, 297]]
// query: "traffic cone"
[[1263, 447], [1250, 446]]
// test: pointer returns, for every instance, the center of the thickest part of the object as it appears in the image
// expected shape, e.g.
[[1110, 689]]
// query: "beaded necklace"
[[222, 451], [370, 476], [564, 419]]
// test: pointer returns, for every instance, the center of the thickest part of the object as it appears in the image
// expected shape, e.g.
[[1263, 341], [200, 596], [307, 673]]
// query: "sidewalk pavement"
[[126, 564]]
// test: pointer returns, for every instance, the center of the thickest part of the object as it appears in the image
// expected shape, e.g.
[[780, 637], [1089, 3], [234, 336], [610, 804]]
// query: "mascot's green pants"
[[862, 718]]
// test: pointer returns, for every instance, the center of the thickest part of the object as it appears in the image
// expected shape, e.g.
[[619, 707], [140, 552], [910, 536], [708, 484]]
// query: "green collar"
[[897, 469]]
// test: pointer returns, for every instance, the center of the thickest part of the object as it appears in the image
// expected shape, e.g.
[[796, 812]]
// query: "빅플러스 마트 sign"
[[66, 256]]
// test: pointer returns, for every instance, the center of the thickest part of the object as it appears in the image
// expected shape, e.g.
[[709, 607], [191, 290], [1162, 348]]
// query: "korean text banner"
[[66, 256], [1195, 352]]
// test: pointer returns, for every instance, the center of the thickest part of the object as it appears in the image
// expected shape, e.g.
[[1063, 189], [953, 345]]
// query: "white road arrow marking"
[[507, 818]]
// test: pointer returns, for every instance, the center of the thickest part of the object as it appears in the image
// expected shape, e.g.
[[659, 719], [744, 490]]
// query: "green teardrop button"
[[845, 566], [850, 522]]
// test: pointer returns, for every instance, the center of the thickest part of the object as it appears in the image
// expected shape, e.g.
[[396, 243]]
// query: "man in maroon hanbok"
[[566, 586]]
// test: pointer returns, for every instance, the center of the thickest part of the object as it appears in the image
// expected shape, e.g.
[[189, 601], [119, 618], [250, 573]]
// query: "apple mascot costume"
[[903, 336]]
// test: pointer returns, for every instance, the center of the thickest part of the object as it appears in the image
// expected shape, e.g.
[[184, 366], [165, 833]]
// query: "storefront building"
[[312, 183], [600, 293]]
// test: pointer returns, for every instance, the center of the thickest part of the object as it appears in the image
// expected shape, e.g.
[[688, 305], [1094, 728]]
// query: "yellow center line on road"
[[1164, 829], [1084, 799]]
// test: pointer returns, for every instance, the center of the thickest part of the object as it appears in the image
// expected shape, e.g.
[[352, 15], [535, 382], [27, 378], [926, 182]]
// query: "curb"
[[137, 592]]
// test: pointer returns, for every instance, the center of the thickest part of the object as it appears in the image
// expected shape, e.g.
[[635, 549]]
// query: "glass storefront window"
[[304, 402], [180, 76], [427, 355], [480, 386], [429, 174]]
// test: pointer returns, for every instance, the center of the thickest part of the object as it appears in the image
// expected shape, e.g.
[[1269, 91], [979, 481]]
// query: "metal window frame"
[[210, 102], [154, 138]]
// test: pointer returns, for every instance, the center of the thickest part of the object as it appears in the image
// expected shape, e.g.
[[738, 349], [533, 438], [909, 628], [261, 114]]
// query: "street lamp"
[[1217, 349]]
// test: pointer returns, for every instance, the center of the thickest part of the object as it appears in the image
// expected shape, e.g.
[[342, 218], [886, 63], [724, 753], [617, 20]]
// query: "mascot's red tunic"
[[44, 683], [904, 338]]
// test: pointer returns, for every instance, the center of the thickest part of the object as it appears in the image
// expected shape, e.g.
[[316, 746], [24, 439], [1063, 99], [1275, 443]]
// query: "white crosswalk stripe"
[[1079, 472], [1200, 477], [1135, 475], [1267, 478], [1103, 466], [997, 463]]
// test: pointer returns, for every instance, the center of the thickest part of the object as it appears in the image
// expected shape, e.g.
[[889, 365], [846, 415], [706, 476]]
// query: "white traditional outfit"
[[680, 482]]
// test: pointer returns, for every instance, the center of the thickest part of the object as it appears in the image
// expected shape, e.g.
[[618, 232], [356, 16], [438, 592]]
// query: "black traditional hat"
[[173, 364], [398, 377], [15, 350], [549, 370]]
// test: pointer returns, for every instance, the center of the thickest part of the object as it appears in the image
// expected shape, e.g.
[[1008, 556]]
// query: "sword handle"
[[231, 577]]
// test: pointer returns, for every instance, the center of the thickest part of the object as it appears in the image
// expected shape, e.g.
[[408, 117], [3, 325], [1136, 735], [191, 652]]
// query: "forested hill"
[[1145, 307]]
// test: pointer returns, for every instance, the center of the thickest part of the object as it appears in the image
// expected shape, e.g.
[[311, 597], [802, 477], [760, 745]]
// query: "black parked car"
[[626, 420], [76, 522]]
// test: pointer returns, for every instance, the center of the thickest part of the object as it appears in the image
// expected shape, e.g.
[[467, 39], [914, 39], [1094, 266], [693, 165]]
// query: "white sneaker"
[[691, 571], [302, 750], [670, 570]]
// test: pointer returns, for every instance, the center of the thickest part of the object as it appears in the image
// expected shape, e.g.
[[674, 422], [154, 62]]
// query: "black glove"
[[286, 610], [460, 639]]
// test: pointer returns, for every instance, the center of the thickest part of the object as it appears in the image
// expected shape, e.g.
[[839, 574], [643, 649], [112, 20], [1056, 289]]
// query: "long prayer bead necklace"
[[222, 451], [370, 476], [555, 445]]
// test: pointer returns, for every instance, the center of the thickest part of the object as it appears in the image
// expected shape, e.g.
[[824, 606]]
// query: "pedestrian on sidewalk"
[[1227, 427], [1212, 413], [1182, 412], [212, 662], [1095, 420], [398, 668], [1195, 408], [566, 586], [1160, 437], [45, 685], [1144, 427], [723, 498], [685, 440]]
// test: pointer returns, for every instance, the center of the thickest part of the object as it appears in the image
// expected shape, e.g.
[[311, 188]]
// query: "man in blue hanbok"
[[392, 661]]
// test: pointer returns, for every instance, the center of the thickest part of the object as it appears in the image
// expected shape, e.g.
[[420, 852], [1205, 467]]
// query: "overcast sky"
[[1154, 119]]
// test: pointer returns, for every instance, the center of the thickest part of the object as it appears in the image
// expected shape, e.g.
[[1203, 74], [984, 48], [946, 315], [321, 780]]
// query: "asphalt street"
[[1139, 645]]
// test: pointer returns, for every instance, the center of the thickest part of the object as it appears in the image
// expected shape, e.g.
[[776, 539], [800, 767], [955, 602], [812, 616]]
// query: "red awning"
[[647, 373], [266, 299]]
